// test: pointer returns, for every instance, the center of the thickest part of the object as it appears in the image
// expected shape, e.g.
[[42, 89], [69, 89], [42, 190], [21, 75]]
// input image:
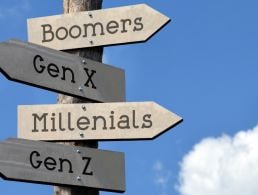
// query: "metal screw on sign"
[[84, 107], [84, 61], [80, 88], [78, 178]]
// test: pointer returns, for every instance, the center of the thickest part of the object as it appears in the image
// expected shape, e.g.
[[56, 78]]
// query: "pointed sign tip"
[[180, 120]]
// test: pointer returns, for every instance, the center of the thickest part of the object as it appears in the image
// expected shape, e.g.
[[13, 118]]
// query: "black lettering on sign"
[[94, 29], [40, 118], [53, 119], [33, 164], [96, 118], [112, 27], [87, 163], [90, 75], [67, 162], [65, 69], [63, 72], [47, 30], [112, 120], [41, 68], [138, 24], [60, 122], [134, 120], [63, 121], [123, 122], [60, 35], [50, 163], [83, 123], [147, 121], [53, 70], [72, 30], [69, 122], [124, 21]]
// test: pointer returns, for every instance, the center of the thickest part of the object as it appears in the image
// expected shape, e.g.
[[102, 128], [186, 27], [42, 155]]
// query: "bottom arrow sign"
[[49, 163]]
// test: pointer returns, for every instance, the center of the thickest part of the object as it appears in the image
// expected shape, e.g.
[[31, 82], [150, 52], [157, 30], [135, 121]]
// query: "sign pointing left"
[[49, 163], [61, 72]]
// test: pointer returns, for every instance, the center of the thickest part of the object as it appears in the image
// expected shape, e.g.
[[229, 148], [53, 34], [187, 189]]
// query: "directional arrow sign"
[[61, 72], [49, 163], [105, 121], [95, 28]]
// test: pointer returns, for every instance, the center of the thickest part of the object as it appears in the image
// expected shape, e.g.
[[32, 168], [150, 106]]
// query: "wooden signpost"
[[78, 170], [49, 163], [61, 72], [94, 54], [106, 121], [120, 25]]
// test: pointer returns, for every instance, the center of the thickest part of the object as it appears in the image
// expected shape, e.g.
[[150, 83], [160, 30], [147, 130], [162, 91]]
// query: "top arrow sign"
[[96, 28]]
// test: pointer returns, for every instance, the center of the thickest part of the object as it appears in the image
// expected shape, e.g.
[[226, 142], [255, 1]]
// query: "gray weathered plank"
[[49, 163], [61, 72]]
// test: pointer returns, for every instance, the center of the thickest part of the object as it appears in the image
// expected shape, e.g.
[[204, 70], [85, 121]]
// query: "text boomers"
[[91, 29]]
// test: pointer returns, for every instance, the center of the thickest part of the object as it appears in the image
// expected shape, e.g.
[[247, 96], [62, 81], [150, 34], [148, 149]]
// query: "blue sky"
[[203, 66]]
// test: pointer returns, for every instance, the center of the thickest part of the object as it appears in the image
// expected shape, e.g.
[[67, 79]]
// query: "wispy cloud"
[[161, 176], [224, 165]]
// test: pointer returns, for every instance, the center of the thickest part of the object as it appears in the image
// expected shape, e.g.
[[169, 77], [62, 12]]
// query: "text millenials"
[[56, 122]]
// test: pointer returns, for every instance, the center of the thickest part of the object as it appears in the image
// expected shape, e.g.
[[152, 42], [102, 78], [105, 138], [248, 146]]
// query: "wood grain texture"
[[96, 53]]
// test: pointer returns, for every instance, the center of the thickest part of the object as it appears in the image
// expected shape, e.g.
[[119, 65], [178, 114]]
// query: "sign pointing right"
[[120, 25], [105, 121]]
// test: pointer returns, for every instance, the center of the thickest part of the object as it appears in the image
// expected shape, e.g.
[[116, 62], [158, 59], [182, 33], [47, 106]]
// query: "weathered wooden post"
[[41, 66], [94, 53]]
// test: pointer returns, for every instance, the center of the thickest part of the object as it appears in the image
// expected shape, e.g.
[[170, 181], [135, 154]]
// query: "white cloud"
[[162, 176], [158, 166], [222, 166]]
